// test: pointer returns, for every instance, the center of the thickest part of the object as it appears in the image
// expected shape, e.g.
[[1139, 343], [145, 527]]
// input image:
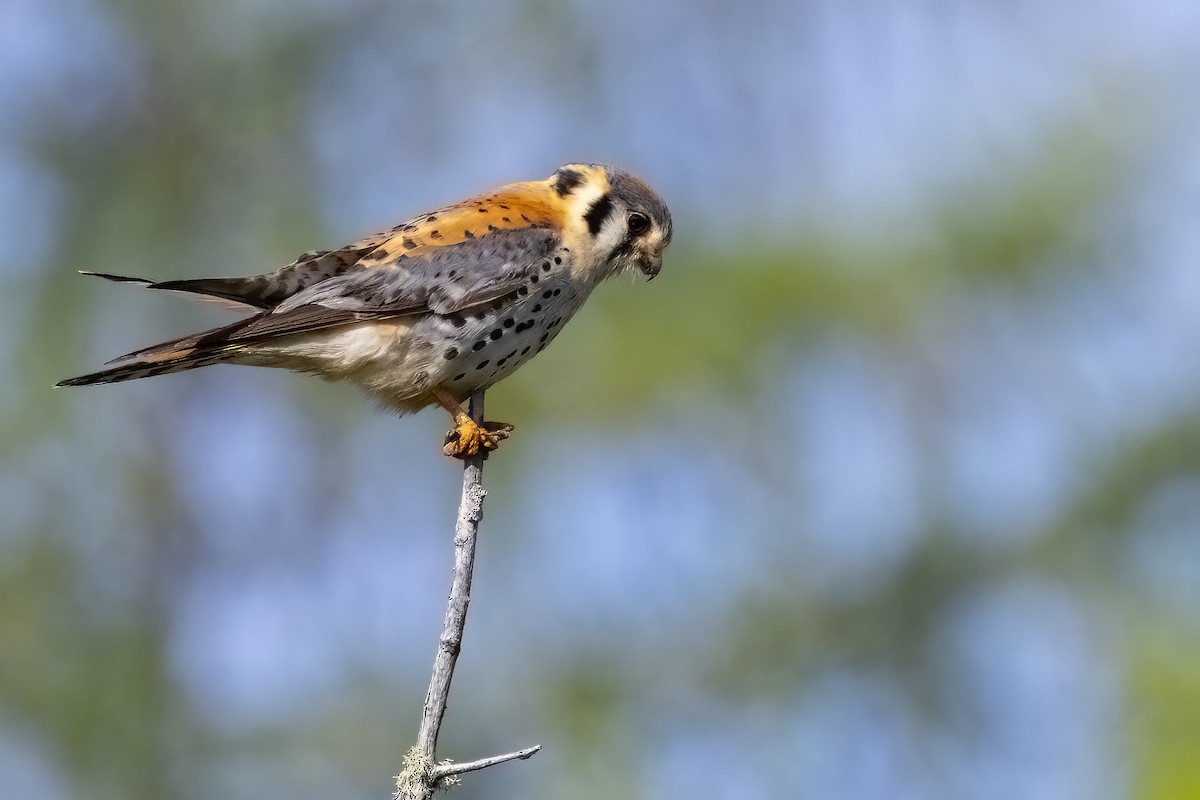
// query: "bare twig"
[[422, 775], [450, 768]]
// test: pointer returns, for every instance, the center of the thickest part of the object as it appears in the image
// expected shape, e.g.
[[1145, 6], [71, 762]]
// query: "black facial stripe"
[[565, 180], [600, 211], [624, 248]]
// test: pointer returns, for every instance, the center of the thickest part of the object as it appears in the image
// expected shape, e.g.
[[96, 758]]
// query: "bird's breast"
[[476, 348]]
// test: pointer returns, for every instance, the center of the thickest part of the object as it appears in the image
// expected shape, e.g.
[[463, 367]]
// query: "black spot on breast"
[[435, 234], [558, 259], [502, 362], [533, 278], [503, 206], [546, 295], [505, 219], [452, 273], [522, 291], [557, 292], [545, 266], [482, 364], [526, 350], [479, 345], [482, 210], [600, 211], [460, 376], [510, 355], [468, 235], [566, 180], [450, 353], [508, 323], [545, 336], [496, 334], [536, 307]]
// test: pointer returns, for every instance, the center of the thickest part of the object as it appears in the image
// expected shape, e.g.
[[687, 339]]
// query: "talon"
[[467, 438], [499, 430]]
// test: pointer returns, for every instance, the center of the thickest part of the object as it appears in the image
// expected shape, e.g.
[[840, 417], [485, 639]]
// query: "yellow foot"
[[467, 438]]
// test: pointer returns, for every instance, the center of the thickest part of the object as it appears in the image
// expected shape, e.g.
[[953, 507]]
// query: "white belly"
[[377, 356]]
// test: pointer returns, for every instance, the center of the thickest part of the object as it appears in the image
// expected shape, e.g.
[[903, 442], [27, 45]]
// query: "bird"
[[436, 308]]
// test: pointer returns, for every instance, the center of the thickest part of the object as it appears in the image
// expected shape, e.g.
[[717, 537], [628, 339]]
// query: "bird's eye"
[[638, 223]]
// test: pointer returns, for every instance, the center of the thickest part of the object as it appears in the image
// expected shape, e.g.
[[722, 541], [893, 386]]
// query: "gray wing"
[[450, 279]]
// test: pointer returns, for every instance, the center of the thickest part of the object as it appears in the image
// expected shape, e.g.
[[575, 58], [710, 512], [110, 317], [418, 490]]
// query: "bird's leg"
[[468, 438]]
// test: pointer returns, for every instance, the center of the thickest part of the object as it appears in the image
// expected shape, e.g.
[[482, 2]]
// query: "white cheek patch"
[[583, 197], [612, 234]]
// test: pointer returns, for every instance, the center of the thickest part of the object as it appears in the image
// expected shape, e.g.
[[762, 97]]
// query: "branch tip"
[[449, 768]]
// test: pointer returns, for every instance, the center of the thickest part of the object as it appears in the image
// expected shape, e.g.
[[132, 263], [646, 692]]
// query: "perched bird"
[[436, 308]]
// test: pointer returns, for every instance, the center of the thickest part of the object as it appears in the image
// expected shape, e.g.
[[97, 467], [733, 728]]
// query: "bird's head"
[[623, 222]]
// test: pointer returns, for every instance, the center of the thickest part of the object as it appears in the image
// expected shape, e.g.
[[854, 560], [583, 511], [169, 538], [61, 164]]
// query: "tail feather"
[[108, 276], [142, 369], [237, 293], [188, 352]]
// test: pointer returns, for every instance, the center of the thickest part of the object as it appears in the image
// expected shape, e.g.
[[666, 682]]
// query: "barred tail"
[[177, 355], [144, 368]]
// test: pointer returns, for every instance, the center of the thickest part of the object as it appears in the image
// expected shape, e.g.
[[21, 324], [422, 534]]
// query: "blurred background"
[[889, 487]]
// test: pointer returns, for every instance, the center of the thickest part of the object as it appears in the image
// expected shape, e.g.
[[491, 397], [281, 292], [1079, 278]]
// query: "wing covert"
[[446, 280]]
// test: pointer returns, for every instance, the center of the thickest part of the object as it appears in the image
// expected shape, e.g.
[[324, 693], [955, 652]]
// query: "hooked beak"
[[650, 265]]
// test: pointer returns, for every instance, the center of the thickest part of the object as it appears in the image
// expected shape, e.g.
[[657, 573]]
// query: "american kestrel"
[[436, 308]]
